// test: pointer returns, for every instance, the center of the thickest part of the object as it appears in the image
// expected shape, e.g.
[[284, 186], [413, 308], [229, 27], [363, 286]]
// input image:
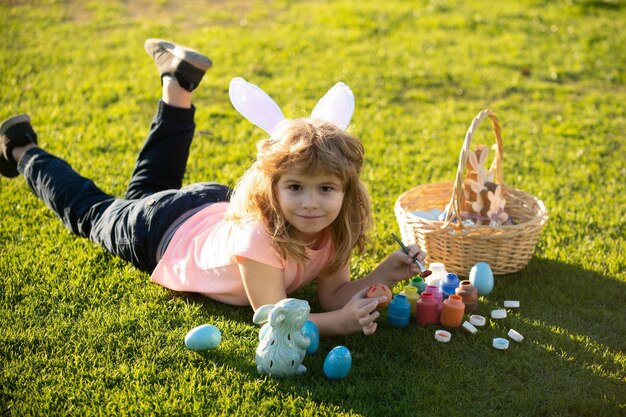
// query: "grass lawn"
[[83, 333]]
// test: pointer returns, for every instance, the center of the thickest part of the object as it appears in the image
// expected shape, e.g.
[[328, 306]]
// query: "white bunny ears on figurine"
[[337, 105]]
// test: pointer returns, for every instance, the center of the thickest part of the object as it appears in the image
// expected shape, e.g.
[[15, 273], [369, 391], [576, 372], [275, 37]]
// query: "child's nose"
[[309, 201]]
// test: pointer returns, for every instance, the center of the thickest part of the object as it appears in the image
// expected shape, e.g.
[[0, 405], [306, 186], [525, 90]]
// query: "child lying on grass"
[[297, 215]]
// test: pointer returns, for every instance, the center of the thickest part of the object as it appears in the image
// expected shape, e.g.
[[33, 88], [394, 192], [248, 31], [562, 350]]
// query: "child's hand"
[[399, 266], [360, 313]]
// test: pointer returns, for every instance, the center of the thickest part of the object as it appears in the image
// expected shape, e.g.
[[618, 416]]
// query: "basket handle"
[[455, 200]]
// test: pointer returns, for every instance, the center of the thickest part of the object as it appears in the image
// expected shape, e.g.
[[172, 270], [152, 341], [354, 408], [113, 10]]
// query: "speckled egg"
[[203, 337], [481, 277], [378, 290], [337, 363], [310, 330]]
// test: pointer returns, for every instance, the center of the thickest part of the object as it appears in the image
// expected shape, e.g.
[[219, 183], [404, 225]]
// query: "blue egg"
[[481, 277], [310, 330], [337, 363], [203, 337]]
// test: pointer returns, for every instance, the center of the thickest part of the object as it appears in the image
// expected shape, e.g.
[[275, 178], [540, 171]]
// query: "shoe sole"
[[8, 169], [21, 118], [183, 53]]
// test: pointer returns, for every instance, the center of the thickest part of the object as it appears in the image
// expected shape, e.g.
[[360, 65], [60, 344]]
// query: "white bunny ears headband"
[[337, 105]]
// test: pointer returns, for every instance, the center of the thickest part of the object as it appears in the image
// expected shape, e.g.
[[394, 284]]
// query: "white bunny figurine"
[[282, 346]]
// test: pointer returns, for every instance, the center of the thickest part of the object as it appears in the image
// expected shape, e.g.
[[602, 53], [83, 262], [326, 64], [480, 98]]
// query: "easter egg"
[[481, 278], [203, 337], [337, 363], [310, 330], [378, 290]]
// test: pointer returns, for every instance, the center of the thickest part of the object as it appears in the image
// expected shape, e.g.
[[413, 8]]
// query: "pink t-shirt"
[[202, 257]]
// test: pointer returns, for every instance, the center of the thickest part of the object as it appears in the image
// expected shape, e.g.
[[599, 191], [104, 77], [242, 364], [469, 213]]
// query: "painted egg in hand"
[[378, 290], [203, 337], [337, 363], [310, 330], [481, 278]]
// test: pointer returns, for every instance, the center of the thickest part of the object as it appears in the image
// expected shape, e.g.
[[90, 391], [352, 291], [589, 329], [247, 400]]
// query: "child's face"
[[310, 203]]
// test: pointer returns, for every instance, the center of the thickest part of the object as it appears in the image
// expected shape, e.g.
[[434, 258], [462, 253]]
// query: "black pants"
[[131, 227]]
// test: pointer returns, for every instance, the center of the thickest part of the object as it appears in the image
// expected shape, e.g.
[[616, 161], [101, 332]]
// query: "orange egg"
[[378, 290]]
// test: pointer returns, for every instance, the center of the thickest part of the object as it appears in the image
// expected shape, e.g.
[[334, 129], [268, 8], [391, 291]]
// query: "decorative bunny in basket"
[[483, 200], [282, 346]]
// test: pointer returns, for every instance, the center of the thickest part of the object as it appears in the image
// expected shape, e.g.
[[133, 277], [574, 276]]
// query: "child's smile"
[[310, 203]]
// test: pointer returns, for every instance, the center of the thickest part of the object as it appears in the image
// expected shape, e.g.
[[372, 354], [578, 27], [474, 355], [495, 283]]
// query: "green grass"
[[83, 333]]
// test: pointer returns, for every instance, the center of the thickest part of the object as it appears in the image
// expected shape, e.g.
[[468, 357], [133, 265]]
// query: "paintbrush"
[[423, 271]]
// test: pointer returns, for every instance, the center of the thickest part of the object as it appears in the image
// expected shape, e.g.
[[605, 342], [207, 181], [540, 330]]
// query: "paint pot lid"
[[500, 343], [515, 335], [498, 314], [477, 320], [442, 336], [511, 304], [469, 327]]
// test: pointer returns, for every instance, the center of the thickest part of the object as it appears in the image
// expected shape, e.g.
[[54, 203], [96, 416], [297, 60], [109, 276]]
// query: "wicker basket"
[[506, 248]]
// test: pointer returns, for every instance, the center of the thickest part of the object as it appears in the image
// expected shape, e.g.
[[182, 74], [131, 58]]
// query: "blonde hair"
[[310, 146]]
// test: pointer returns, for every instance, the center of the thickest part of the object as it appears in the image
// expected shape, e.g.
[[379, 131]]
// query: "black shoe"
[[14, 131], [186, 65]]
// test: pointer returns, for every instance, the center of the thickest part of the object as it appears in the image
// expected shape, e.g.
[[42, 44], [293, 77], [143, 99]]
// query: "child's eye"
[[294, 187], [326, 189]]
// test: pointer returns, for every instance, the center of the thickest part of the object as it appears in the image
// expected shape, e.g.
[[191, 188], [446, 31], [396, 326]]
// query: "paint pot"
[[435, 292], [452, 312], [419, 283], [427, 309], [399, 311], [410, 292], [469, 294], [439, 273], [448, 285]]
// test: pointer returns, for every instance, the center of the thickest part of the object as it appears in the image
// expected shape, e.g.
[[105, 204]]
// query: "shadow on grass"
[[588, 5], [570, 298], [242, 314], [570, 361]]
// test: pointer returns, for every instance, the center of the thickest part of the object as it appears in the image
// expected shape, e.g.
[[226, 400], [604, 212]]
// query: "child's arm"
[[335, 292], [348, 309], [264, 285], [359, 314]]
